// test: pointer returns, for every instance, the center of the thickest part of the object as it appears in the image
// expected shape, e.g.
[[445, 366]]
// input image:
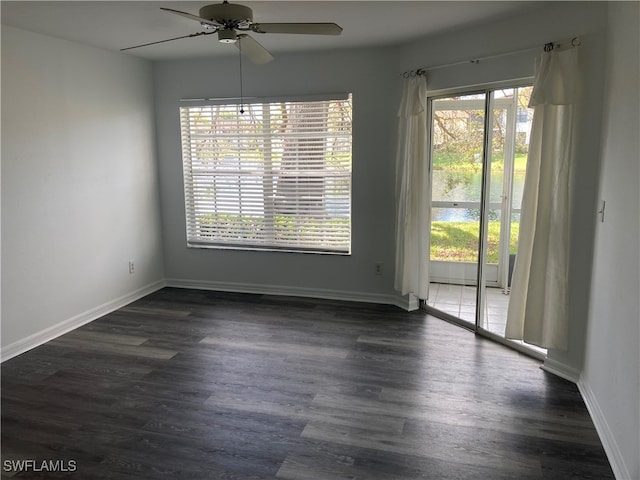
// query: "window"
[[276, 176]]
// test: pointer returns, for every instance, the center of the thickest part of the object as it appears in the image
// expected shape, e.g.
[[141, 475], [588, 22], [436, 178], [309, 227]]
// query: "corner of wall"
[[32, 341], [561, 369]]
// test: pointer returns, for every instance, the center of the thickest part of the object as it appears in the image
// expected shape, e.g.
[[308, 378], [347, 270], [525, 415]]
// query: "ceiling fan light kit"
[[227, 35], [228, 18]]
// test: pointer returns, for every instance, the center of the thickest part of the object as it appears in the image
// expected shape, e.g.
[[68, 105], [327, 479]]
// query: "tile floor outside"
[[460, 301]]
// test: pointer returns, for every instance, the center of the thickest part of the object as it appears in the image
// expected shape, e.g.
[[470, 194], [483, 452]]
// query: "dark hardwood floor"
[[187, 384]]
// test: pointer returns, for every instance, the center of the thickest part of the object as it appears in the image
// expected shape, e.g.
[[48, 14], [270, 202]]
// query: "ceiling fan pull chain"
[[240, 64]]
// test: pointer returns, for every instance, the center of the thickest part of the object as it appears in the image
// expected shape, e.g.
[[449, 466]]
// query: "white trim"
[[407, 302], [410, 304], [54, 331], [480, 88], [268, 99], [608, 440], [561, 370], [516, 345]]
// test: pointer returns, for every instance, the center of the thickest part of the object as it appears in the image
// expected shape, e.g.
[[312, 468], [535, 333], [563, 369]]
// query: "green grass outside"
[[456, 162], [458, 241]]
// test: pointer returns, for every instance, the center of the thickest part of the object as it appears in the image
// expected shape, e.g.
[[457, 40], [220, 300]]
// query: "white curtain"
[[413, 194], [538, 310]]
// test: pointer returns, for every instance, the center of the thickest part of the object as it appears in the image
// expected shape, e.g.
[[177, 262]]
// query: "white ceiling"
[[116, 25]]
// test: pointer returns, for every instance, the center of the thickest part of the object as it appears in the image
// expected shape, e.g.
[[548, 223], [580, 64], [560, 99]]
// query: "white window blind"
[[276, 177]]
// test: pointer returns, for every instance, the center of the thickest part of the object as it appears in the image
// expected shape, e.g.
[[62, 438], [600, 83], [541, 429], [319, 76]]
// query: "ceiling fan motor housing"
[[228, 14]]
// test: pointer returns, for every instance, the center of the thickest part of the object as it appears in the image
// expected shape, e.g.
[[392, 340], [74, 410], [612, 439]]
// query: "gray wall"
[[79, 185], [611, 377], [373, 80]]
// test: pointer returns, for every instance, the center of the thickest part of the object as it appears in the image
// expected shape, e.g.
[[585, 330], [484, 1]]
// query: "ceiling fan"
[[227, 19]]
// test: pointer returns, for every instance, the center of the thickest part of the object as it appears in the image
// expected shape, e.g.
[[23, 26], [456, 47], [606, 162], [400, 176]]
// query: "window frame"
[[334, 239]]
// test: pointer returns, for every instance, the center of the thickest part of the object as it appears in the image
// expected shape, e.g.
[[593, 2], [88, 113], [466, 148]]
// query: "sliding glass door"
[[479, 145], [458, 124], [510, 127]]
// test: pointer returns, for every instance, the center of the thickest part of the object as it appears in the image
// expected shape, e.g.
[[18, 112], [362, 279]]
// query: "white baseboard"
[[561, 370], [408, 302], [616, 460], [72, 323]]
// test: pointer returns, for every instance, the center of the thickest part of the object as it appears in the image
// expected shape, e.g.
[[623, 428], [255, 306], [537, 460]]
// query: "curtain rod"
[[574, 42]]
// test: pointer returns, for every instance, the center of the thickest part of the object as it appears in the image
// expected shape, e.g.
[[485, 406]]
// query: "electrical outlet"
[[377, 268], [132, 267]]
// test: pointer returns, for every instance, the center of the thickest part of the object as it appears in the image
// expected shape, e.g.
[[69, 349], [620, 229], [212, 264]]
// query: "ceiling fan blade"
[[197, 34], [304, 28], [190, 16], [253, 50]]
